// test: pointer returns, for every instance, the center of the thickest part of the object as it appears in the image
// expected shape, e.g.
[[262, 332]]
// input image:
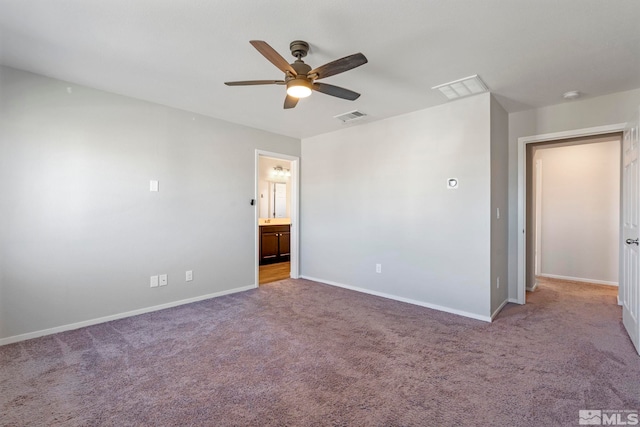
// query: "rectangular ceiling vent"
[[468, 86], [351, 115]]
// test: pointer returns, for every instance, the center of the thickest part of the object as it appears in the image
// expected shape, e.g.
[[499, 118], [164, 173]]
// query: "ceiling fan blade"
[[339, 66], [255, 82], [274, 57], [290, 102], [338, 91]]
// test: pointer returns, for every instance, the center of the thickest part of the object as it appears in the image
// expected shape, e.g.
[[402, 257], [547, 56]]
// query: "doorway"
[[524, 224], [276, 219], [573, 206]]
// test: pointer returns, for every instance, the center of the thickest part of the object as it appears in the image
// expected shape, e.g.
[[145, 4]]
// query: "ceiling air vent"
[[351, 115], [468, 86]]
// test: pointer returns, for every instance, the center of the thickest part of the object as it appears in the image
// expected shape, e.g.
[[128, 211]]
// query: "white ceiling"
[[179, 53]]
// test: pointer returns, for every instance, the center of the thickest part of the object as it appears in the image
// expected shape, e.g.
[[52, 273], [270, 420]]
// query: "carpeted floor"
[[298, 353]]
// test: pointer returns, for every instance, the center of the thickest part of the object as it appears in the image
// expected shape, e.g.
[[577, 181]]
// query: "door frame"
[[538, 221], [522, 174], [295, 211]]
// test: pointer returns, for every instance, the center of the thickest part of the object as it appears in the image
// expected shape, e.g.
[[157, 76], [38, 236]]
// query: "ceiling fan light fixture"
[[298, 88], [300, 78]]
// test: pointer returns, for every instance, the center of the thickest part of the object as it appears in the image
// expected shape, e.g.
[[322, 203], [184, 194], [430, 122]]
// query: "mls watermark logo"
[[590, 417], [603, 417]]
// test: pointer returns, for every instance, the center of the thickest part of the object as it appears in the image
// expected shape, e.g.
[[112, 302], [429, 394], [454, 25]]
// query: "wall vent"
[[351, 115], [468, 86]]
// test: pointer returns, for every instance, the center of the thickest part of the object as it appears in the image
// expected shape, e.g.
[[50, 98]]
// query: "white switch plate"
[[189, 275], [378, 268], [153, 282], [164, 281], [153, 185]]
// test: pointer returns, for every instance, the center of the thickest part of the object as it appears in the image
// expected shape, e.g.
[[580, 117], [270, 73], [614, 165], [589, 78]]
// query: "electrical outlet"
[[378, 268], [153, 282], [164, 281], [189, 276]]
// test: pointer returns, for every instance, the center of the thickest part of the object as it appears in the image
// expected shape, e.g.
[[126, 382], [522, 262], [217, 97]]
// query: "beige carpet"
[[298, 353]]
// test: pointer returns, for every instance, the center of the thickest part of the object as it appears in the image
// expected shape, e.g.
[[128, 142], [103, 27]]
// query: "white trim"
[[401, 299], [497, 310], [538, 218], [295, 211], [513, 300], [522, 141], [578, 279], [575, 133], [533, 288], [85, 323]]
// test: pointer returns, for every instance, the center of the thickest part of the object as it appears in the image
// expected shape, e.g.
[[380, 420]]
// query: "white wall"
[[580, 210], [376, 193], [571, 115], [81, 233]]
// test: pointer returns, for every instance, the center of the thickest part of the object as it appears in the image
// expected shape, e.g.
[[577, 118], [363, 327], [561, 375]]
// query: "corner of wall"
[[499, 204]]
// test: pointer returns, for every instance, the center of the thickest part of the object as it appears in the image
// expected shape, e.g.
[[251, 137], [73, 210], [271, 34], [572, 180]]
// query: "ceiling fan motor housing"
[[301, 68], [299, 48]]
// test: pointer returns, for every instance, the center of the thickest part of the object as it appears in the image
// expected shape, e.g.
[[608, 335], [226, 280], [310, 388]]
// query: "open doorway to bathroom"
[[276, 212]]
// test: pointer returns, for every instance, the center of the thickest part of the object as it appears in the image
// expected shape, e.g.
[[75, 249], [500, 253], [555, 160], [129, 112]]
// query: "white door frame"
[[538, 220], [295, 211], [522, 173]]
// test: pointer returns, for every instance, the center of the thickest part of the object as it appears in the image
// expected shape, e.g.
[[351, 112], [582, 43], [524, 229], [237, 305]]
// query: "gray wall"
[[377, 193], [81, 233], [499, 201], [600, 111]]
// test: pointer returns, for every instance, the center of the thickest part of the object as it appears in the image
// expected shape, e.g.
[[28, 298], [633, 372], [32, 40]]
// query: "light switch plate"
[[153, 282], [153, 185], [189, 275], [164, 280]]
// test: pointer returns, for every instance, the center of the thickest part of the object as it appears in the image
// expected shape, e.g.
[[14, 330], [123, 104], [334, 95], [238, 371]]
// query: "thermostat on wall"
[[452, 183]]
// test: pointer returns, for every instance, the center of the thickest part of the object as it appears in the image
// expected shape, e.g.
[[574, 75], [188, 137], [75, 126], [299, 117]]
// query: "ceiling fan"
[[299, 78]]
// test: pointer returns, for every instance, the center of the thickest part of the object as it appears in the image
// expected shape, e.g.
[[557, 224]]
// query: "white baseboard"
[[579, 279], [514, 301], [72, 326], [533, 288], [402, 299], [495, 313]]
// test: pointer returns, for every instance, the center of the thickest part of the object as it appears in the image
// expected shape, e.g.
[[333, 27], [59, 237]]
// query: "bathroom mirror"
[[277, 200]]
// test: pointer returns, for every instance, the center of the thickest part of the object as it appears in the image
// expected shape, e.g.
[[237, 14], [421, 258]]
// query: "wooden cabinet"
[[274, 243]]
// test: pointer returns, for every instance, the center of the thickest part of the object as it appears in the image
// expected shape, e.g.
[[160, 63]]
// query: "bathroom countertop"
[[274, 221]]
